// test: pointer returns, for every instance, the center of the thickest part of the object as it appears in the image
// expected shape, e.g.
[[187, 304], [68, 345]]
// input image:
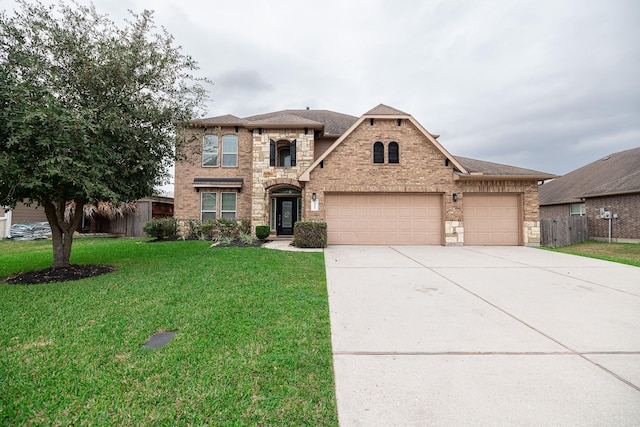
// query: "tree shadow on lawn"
[[59, 274]]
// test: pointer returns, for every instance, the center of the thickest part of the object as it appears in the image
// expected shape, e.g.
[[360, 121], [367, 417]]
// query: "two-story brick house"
[[376, 179]]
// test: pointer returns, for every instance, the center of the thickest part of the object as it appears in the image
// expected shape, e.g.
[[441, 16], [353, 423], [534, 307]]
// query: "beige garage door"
[[384, 219], [491, 219]]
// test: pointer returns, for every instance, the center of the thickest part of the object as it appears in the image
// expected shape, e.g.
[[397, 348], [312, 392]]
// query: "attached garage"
[[384, 218], [492, 219]]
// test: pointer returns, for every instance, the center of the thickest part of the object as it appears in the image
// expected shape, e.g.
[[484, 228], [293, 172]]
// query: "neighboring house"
[[124, 223], [611, 184], [377, 179]]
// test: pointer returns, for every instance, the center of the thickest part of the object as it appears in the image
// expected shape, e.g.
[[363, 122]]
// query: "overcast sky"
[[550, 85]]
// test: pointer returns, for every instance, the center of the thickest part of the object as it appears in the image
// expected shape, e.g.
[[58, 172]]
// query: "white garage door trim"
[[492, 219], [384, 218]]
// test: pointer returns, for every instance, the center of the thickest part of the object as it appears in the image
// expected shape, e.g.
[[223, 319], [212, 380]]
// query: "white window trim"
[[235, 211], [217, 153], [202, 211], [223, 153]]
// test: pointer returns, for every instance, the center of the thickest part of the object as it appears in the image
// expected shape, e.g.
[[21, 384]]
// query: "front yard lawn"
[[252, 344], [624, 253]]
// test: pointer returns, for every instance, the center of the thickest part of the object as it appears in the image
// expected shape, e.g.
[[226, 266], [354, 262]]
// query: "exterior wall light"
[[314, 197], [455, 197]]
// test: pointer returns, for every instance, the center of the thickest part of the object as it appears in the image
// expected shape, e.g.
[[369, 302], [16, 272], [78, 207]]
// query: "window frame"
[[397, 153], [378, 150], [208, 211], [582, 209], [216, 151], [224, 154], [235, 205]]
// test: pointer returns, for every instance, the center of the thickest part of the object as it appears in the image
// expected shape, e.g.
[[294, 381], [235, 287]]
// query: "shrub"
[[262, 231], [194, 230], [310, 234], [244, 226], [161, 228], [215, 229], [247, 239]]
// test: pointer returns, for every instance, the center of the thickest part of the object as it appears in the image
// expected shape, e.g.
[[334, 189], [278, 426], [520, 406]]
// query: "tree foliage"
[[88, 110]]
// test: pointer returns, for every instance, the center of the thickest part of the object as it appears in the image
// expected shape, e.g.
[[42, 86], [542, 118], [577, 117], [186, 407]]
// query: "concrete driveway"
[[483, 336]]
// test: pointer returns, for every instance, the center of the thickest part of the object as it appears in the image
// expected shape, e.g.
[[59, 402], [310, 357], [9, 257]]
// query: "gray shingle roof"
[[384, 110], [474, 166], [228, 120], [334, 123], [618, 173]]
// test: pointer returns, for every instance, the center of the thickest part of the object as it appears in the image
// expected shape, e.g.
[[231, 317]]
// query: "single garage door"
[[383, 219], [491, 219]]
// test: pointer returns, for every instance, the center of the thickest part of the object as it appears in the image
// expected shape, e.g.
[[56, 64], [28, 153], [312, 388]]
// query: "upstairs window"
[[210, 150], [378, 152], [230, 150], [282, 153], [393, 153], [284, 157]]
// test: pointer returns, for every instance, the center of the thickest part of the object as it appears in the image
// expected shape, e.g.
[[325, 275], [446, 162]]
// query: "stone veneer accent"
[[266, 177]]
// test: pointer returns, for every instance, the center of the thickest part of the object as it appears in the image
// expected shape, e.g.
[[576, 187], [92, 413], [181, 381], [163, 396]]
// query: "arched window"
[[393, 153], [378, 152]]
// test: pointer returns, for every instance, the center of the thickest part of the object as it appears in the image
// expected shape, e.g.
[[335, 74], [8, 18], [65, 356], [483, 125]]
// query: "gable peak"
[[384, 110]]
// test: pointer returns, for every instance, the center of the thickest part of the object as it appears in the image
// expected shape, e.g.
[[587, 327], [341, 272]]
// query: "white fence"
[[5, 223]]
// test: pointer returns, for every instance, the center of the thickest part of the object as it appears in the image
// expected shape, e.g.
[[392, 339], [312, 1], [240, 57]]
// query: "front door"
[[286, 215]]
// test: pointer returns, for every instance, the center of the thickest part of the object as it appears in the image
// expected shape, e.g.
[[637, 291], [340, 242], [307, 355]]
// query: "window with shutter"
[[272, 153], [292, 152]]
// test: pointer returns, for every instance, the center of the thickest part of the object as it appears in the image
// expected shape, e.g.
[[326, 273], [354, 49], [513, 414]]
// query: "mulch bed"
[[59, 274]]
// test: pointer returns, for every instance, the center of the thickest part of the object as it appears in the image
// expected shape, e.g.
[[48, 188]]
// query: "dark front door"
[[286, 215]]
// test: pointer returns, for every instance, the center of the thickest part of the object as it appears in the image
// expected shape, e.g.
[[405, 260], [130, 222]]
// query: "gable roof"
[[382, 111], [480, 169], [618, 173]]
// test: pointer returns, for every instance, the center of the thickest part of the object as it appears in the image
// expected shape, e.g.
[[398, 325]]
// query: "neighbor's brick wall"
[[187, 199], [627, 226]]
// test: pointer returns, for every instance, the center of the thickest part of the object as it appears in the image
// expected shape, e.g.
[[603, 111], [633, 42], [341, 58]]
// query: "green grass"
[[624, 253], [252, 347]]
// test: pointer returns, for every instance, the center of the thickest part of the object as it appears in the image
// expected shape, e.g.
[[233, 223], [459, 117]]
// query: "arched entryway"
[[285, 209]]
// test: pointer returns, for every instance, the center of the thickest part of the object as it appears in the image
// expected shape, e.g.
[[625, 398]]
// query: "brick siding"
[[627, 226]]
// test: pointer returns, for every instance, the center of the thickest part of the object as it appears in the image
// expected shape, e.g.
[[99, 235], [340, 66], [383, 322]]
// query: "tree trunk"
[[61, 230]]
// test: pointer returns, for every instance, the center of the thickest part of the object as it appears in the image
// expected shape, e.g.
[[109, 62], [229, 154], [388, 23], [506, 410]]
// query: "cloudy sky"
[[550, 85]]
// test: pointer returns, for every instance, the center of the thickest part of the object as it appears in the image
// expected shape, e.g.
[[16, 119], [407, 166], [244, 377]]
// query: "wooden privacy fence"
[[563, 231]]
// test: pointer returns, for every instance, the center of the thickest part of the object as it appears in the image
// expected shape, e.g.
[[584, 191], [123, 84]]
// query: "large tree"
[[88, 110]]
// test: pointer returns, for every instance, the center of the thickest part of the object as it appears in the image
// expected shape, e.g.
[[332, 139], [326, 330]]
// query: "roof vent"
[[606, 158]]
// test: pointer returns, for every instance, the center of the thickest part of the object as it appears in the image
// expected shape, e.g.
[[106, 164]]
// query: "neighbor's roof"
[[618, 173], [480, 169]]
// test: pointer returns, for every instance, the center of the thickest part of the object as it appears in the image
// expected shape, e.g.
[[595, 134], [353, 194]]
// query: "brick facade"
[[423, 168], [187, 197]]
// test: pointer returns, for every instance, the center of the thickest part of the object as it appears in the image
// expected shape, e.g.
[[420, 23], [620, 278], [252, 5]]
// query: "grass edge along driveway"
[[252, 347]]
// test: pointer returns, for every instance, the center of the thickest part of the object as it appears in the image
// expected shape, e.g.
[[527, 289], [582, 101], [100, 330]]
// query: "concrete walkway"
[[483, 336]]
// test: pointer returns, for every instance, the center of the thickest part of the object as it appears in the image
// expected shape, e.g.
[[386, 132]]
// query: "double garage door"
[[416, 219], [384, 219]]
